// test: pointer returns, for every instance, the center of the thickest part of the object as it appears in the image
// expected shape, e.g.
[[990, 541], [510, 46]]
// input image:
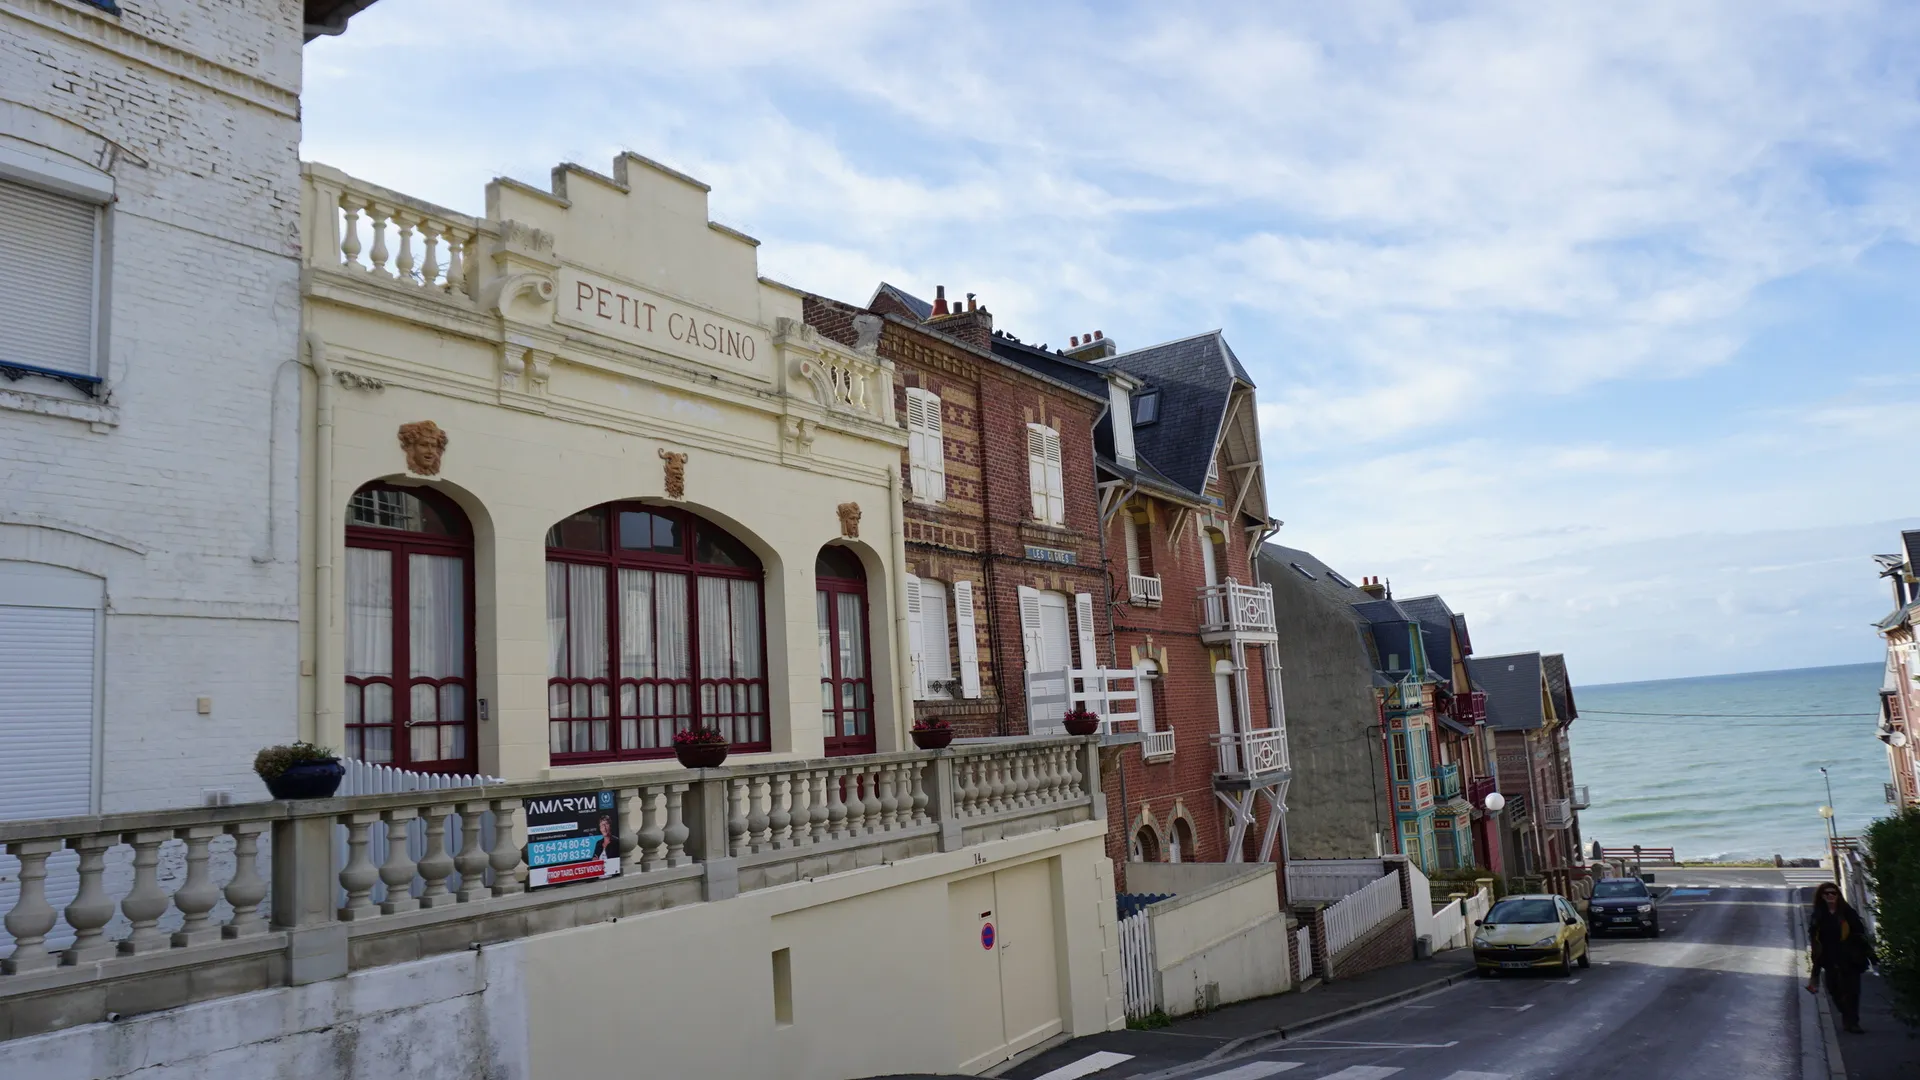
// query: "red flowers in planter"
[[1081, 721], [699, 737]]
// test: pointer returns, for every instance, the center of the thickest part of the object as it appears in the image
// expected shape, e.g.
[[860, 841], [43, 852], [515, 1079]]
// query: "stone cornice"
[[95, 29]]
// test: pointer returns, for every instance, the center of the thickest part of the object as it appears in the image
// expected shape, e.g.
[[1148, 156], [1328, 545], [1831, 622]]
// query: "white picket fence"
[[1136, 959], [1352, 917], [1322, 881], [1303, 954], [1453, 924], [369, 778]]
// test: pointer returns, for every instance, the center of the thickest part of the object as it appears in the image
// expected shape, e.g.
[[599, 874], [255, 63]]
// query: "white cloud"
[[1434, 239]]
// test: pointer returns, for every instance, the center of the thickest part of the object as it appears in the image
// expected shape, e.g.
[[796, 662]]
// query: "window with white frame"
[[926, 447], [1043, 475], [49, 282]]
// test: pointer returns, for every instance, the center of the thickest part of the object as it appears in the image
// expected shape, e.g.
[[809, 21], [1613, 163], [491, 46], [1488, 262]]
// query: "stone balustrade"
[[359, 227], [290, 892]]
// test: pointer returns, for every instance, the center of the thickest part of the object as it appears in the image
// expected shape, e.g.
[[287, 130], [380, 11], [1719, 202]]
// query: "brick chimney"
[[1373, 587], [969, 322], [1092, 348]]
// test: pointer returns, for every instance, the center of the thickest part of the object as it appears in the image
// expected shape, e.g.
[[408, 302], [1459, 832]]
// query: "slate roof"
[[1512, 685], [1561, 687], [1910, 541], [1437, 621], [1393, 627], [1329, 585], [921, 309], [1195, 377]]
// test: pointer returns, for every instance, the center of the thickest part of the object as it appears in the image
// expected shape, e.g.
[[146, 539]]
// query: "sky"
[[1599, 320]]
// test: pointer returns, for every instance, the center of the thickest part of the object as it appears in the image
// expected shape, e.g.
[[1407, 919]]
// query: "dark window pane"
[[835, 561], [1146, 408], [636, 530], [584, 531], [385, 508], [715, 548], [666, 536]]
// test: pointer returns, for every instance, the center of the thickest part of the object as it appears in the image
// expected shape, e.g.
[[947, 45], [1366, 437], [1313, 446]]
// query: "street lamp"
[[1897, 740], [1833, 833], [1494, 802]]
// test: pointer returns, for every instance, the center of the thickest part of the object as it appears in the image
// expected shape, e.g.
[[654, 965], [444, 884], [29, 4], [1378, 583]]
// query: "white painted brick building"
[[149, 568]]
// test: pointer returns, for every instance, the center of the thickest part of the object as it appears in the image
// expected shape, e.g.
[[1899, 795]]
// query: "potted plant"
[[299, 771], [1082, 721], [932, 734], [700, 748]]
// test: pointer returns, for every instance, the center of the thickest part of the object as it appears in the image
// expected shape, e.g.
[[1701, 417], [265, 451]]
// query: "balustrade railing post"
[[1089, 778], [304, 881], [92, 909], [941, 790], [197, 896], [31, 916], [707, 812]]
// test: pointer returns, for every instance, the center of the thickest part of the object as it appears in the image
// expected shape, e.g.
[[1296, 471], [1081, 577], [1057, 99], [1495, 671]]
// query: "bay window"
[[655, 625]]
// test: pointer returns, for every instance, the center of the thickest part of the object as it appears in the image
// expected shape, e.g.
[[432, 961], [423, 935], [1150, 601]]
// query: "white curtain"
[[577, 649], [437, 649], [369, 653]]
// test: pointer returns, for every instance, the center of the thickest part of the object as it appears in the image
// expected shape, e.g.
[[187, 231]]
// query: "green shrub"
[[1154, 1019], [274, 760], [1893, 848]]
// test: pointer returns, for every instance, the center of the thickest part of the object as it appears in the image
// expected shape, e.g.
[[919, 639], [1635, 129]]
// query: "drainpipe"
[[322, 525], [902, 643]]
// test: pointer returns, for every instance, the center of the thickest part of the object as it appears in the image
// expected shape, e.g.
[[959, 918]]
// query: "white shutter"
[[46, 711], [48, 247], [1037, 470], [916, 647], [1030, 626], [967, 637], [917, 442], [1083, 621], [1056, 489], [936, 660], [936, 448], [1131, 530], [1143, 707]]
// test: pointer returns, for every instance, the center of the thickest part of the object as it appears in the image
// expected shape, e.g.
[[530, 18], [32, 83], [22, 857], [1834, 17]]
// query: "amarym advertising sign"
[[571, 838]]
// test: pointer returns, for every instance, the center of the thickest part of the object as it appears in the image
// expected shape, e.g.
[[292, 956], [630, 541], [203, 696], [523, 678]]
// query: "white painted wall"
[[163, 488], [1220, 940], [451, 1017]]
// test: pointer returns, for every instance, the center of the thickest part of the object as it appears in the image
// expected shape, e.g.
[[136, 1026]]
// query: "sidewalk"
[[1890, 1050], [1192, 1038]]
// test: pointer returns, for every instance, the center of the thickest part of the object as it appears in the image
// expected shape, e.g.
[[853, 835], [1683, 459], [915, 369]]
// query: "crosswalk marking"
[[1363, 1072], [1086, 1066], [1466, 1075], [1804, 876], [1253, 1070]]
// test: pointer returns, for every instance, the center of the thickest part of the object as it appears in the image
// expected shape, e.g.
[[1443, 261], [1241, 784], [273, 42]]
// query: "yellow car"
[[1533, 931]]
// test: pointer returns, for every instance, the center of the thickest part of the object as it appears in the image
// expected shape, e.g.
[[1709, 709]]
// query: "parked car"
[[1623, 904], [1538, 930]]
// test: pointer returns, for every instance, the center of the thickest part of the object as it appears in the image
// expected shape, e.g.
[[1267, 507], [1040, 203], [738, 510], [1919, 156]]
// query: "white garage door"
[[49, 645]]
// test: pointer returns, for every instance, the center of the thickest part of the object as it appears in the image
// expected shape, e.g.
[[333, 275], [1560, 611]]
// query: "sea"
[[1728, 766]]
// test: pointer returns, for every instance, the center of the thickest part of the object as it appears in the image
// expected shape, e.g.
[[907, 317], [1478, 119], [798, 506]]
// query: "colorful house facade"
[[1900, 690]]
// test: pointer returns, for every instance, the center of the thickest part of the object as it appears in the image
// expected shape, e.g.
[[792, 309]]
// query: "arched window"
[[654, 620], [846, 682], [1181, 846], [1146, 846], [409, 664]]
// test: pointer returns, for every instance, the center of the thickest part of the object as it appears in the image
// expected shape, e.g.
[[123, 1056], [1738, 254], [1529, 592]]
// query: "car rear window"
[[1523, 911], [1619, 888]]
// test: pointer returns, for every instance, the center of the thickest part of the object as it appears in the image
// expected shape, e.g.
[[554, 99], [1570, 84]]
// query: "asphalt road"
[[1717, 995]]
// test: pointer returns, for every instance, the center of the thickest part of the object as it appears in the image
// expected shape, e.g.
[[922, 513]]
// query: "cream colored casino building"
[[574, 468]]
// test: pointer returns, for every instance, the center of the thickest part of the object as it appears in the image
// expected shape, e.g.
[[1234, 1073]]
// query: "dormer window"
[[1146, 408]]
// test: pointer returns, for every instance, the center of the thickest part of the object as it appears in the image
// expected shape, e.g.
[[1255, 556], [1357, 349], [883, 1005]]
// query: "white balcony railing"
[[1580, 800], [1111, 692], [1556, 814], [1143, 590], [1252, 753], [1236, 608], [1156, 745]]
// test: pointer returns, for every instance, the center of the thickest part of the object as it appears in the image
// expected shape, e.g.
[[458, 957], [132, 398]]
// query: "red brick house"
[[1002, 532], [1183, 505]]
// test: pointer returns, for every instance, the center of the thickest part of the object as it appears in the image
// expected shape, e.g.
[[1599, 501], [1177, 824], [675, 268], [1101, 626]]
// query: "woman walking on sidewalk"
[[1841, 948]]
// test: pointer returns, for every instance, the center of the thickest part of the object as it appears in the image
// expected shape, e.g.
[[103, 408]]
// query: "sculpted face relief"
[[646, 318]]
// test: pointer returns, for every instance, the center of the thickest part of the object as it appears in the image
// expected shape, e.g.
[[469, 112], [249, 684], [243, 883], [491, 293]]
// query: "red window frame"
[[614, 559], [833, 681], [400, 543]]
